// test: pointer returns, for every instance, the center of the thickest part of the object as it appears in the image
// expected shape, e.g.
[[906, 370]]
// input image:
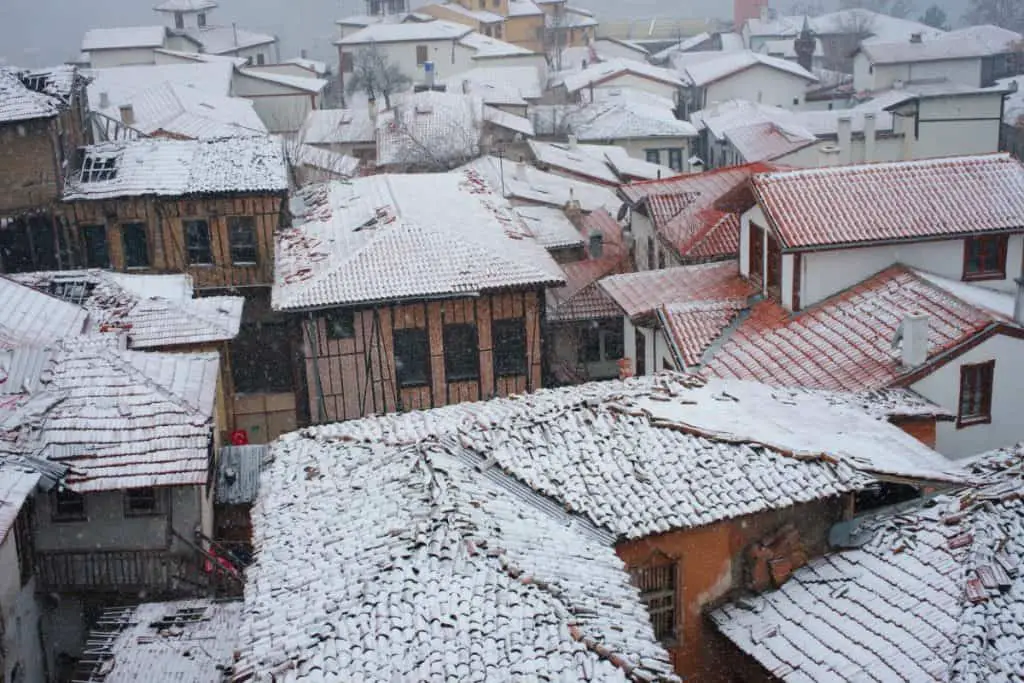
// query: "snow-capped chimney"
[[913, 334], [845, 139], [520, 172], [572, 142], [104, 100], [1018, 302], [870, 130], [596, 244], [766, 14], [127, 114], [828, 155]]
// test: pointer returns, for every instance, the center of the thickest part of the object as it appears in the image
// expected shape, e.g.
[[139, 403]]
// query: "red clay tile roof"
[[845, 342], [581, 298], [664, 207], [692, 328], [718, 237], [642, 293], [907, 200]]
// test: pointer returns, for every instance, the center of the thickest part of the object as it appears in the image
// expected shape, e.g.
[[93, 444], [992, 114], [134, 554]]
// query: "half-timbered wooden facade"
[[413, 292]]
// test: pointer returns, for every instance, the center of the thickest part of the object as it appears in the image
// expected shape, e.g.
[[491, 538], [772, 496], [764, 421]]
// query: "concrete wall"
[[102, 59], [759, 83], [20, 613], [107, 527], [943, 387]]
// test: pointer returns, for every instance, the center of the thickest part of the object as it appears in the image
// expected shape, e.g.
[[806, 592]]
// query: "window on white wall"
[[975, 406]]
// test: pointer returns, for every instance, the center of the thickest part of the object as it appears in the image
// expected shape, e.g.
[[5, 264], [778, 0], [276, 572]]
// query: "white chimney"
[[520, 172], [572, 142], [127, 114], [828, 155], [765, 13], [845, 139], [1018, 302], [104, 100], [870, 130], [913, 338]]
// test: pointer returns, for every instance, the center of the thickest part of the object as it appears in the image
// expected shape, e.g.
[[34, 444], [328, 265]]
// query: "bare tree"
[[935, 17], [1003, 13], [425, 136], [373, 74]]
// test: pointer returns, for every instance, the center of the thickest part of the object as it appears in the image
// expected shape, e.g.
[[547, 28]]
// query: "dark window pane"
[[653, 155], [614, 345], [67, 506], [675, 159], [985, 256], [509, 347], [411, 357], [141, 502], [179, 20], [976, 392], [591, 344], [658, 591], [461, 353], [421, 54], [261, 359], [242, 236], [341, 324], [94, 242], [136, 250], [197, 242]]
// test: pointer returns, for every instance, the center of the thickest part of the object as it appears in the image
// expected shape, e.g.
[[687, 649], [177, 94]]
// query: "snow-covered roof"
[[685, 45], [906, 200], [318, 68], [154, 311], [486, 46], [123, 83], [220, 40], [338, 126], [397, 237], [480, 15], [123, 38], [310, 85], [524, 183], [32, 318], [619, 119], [604, 72], [502, 119], [786, 49], [523, 8], [470, 575], [123, 419], [642, 293], [768, 141], [185, 5], [706, 70], [974, 43], [929, 591], [435, 129], [581, 298], [724, 117], [855, 21], [393, 33], [569, 158], [188, 112], [157, 166], [498, 85], [629, 167], [18, 102], [184, 640], [550, 227], [336, 166]]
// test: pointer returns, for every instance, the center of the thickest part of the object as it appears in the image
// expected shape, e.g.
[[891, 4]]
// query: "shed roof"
[[165, 167], [898, 201], [928, 592], [124, 37], [527, 184], [582, 298], [569, 158], [357, 242]]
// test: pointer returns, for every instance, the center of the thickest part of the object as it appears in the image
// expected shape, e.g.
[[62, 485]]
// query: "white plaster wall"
[[643, 231], [787, 281], [755, 215], [634, 82], [828, 272], [1007, 427], [534, 59], [637, 148], [886, 149], [20, 613], [449, 57], [964, 71], [269, 52], [863, 78], [103, 59], [762, 84]]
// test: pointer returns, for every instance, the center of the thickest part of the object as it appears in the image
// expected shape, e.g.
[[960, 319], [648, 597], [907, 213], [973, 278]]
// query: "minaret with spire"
[[805, 45]]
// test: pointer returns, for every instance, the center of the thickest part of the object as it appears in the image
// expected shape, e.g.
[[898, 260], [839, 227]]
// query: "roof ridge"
[[115, 358]]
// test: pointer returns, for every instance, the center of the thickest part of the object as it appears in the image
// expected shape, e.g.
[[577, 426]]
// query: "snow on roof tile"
[[845, 342], [706, 70], [219, 40], [500, 118], [550, 227], [628, 167], [185, 5], [431, 129], [603, 72], [17, 484], [123, 38], [18, 102], [395, 237], [582, 298], [725, 117], [338, 126], [624, 119], [974, 42], [165, 167], [392, 33], [524, 183], [640, 294], [487, 47], [238, 473], [767, 141], [184, 640], [336, 166], [857, 20], [305, 83], [571, 159], [441, 555], [523, 8], [480, 15], [908, 200], [929, 592], [122, 83], [32, 318], [498, 85], [692, 327], [155, 311]]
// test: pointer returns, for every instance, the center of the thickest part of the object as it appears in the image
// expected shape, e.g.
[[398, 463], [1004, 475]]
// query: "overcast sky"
[[42, 32]]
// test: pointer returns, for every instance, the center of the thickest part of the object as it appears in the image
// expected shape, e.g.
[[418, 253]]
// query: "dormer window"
[[179, 20], [201, 19], [98, 168], [74, 291]]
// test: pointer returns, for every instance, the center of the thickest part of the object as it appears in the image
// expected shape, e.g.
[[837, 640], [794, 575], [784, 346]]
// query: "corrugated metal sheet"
[[238, 474]]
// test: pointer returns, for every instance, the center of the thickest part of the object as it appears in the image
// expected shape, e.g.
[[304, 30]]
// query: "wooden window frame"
[[340, 323], [422, 54], [421, 347], [57, 516], [997, 273], [510, 347], [185, 223], [151, 495], [248, 223], [662, 614], [457, 352], [984, 375], [132, 227], [88, 248]]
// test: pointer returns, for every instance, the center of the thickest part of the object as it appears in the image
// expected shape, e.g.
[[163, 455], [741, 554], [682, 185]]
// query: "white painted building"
[[713, 77], [282, 102], [128, 46]]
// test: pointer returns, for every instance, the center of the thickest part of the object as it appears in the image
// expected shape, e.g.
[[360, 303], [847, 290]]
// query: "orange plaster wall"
[[710, 565], [922, 429]]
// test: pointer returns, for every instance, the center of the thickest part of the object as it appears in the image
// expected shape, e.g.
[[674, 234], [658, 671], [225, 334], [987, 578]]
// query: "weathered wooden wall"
[[357, 376]]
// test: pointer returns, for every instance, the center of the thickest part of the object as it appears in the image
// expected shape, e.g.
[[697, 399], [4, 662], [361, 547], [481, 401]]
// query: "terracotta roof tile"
[[641, 293], [582, 298], [692, 328], [905, 200]]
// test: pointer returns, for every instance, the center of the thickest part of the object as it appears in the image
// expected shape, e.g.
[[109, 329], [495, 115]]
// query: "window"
[[509, 347], [67, 506], [658, 591], [651, 249], [653, 155], [261, 359], [347, 63], [461, 353], [136, 250], [23, 541], [411, 357], [260, 59], [142, 502], [201, 19], [603, 341], [197, 242], [661, 260], [242, 238], [94, 242], [985, 257], [74, 291], [341, 324], [497, 31], [97, 168], [675, 159], [640, 342], [976, 393], [421, 54], [179, 20]]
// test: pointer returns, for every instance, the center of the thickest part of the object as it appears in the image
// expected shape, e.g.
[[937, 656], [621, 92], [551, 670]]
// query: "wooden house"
[[413, 291]]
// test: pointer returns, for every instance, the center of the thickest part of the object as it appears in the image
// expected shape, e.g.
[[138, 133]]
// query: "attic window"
[[35, 82], [658, 591], [74, 291], [97, 168]]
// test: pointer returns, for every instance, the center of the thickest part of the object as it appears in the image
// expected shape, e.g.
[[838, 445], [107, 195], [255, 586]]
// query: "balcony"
[[153, 571]]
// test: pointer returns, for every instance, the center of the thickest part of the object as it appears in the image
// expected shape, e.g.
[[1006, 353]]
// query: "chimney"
[[127, 114], [765, 13], [897, 84], [845, 139], [596, 244], [915, 37], [520, 172], [572, 142], [828, 156], [870, 130], [104, 100], [1018, 302], [371, 105], [913, 335]]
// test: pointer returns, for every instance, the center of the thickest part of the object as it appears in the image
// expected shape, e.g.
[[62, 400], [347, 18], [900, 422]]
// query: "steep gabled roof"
[[897, 201], [930, 592], [32, 318], [704, 70], [18, 102], [396, 237], [602, 72], [582, 298]]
